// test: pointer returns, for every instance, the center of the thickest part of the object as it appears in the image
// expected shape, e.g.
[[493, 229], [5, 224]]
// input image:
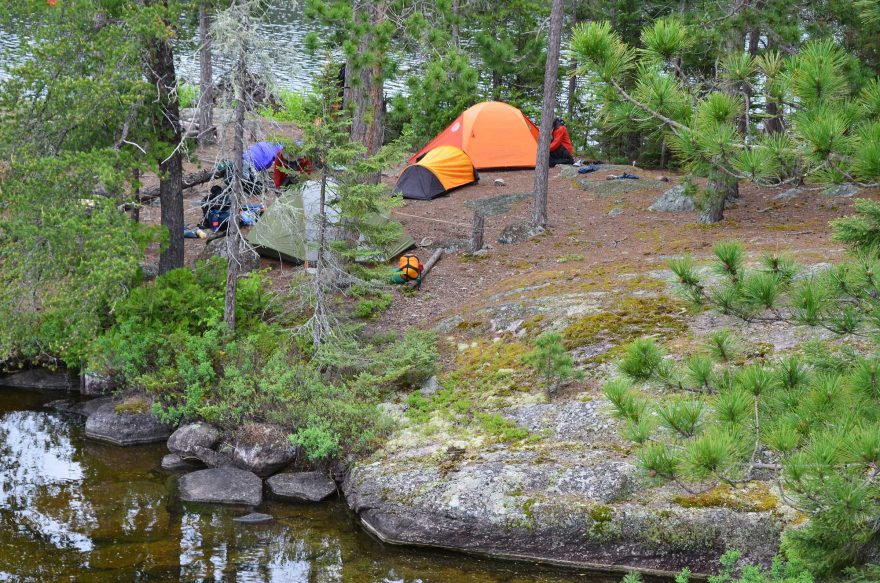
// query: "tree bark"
[[548, 108], [367, 95], [720, 189], [206, 81], [160, 73], [572, 79], [233, 231]]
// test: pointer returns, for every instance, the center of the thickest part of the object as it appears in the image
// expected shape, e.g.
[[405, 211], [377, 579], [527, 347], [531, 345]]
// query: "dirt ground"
[[587, 230]]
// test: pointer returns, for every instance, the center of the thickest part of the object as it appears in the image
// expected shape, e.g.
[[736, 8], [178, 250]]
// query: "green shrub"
[[291, 110], [722, 345], [642, 359], [187, 95], [730, 255], [550, 360]]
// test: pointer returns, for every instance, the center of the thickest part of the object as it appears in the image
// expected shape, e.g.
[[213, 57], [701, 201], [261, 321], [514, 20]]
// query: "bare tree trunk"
[[456, 8], [233, 230], [160, 73], [206, 82], [367, 95], [551, 70], [572, 79]]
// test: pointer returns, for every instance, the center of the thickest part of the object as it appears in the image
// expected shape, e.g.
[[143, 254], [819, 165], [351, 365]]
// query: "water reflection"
[[76, 510]]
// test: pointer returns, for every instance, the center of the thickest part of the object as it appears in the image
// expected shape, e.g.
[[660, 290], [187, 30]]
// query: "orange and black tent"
[[438, 172], [493, 134]]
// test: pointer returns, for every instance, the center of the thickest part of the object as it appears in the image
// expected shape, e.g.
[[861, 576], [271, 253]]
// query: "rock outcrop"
[[222, 486], [125, 423], [301, 487], [190, 437], [576, 498], [674, 200], [96, 384], [41, 378]]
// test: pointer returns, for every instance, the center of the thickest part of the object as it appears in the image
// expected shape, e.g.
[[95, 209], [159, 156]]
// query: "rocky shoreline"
[[574, 500]]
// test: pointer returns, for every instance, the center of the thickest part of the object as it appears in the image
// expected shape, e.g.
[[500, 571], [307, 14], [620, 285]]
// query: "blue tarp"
[[262, 154]]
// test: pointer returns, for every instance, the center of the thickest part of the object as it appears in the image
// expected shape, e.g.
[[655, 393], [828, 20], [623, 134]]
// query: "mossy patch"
[[132, 406], [754, 497], [630, 318]]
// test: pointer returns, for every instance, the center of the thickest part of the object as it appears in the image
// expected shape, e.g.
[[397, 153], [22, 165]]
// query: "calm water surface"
[[75, 510]]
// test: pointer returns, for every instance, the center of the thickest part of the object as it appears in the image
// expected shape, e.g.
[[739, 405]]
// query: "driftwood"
[[190, 180]]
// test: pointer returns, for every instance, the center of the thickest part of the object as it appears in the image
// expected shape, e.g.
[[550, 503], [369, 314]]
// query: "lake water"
[[290, 65], [76, 510]]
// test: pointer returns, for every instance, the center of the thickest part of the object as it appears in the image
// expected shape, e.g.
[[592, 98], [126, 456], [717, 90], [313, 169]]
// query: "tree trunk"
[[720, 189], [548, 108], [367, 95], [572, 79], [233, 230], [206, 81], [456, 8], [774, 124], [161, 74]]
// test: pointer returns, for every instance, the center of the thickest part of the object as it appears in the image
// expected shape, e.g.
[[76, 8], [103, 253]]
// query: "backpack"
[[410, 267]]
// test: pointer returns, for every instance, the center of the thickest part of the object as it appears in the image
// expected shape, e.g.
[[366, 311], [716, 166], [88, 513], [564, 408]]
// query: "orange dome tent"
[[438, 172], [493, 134]]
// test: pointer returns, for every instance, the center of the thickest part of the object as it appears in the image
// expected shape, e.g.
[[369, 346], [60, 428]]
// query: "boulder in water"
[[262, 448], [193, 435], [222, 486], [126, 422], [173, 462], [253, 518], [96, 384], [301, 487]]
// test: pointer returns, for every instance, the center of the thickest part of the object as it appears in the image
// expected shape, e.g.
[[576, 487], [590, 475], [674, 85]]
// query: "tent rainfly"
[[439, 171], [288, 229], [494, 135]]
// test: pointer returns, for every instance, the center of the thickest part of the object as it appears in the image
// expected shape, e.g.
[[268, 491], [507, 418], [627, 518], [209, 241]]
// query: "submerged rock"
[[253, 518], [222, 486], [193, 435], [173, 462], [674, 200], [301, 487], [262, 448], [126, 424]]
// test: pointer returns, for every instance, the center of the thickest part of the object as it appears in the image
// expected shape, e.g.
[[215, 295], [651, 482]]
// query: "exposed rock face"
[[790, 194], [575, 499], [96, 384], [301, 487], [222, 486], [209, 457], [517, 233], [41, 378], [673, 200], [842, 190], [194, 435], [125, 427], [262, 448], [250, 259]]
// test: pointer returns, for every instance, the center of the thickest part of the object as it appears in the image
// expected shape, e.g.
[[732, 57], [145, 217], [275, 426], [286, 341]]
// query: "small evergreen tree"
[[551, 361]]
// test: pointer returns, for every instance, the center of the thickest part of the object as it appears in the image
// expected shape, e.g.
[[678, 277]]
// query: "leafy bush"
[[187, 95], [642, 359], [291, 110]]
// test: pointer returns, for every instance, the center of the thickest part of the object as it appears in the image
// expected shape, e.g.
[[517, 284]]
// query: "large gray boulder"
[[174, 463], [250, 259], [262, 448], [301, 487], [126, 423], [41, 378], [674, 200], [222, 486], [188, 437], [842, 190]]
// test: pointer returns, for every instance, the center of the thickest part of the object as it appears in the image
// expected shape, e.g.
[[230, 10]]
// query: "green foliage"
[[642, 359], [730, 256], [292, 109], [683, 417], [699, 371], [550, 360], [628, 402], [722, 345], [187, 95]]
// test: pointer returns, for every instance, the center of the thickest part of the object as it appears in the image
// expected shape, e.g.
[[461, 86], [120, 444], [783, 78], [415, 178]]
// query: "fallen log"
[[190, 180], [428, 266]]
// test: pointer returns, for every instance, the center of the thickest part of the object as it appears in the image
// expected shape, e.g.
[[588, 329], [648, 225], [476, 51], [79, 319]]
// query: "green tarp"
[[288, 229]]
